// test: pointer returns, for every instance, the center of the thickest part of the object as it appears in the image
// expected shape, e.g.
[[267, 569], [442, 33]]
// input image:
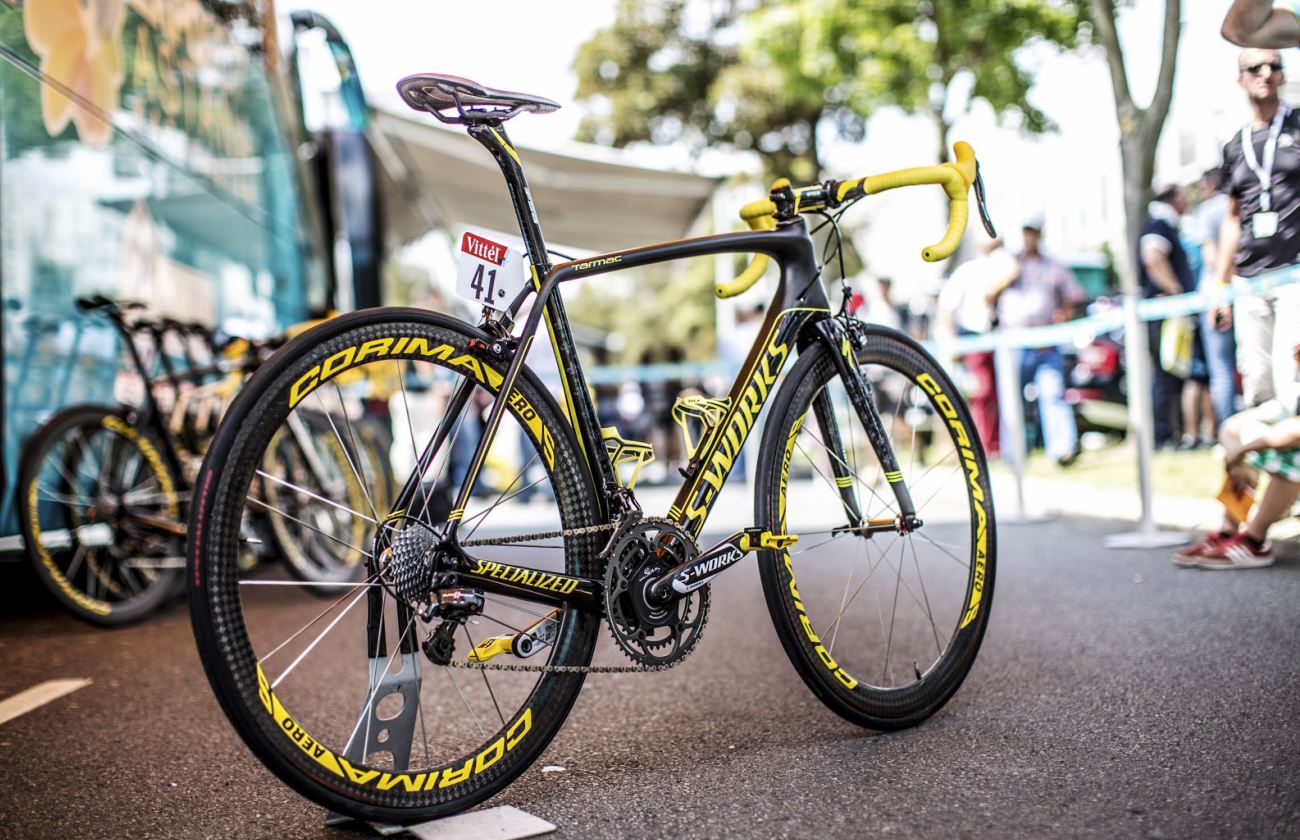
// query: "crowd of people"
[[1245, 223]]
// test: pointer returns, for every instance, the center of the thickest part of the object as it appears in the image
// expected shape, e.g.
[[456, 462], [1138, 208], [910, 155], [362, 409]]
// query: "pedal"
[[756, 539], [521, 645]]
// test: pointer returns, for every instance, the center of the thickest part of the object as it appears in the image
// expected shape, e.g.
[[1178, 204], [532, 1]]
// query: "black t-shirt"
[[1255, 256], [1177, 258]]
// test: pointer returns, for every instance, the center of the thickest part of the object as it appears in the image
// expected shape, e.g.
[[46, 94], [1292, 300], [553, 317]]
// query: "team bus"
[[157, 152]]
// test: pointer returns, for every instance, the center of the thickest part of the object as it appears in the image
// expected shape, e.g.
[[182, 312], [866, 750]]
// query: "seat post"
[[493, 137]]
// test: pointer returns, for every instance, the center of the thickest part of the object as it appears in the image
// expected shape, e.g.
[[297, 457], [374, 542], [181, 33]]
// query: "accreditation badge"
[[1263, 225]]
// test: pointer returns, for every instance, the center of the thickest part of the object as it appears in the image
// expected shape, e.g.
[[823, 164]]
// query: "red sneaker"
[[1237, 552], [1187, 556]]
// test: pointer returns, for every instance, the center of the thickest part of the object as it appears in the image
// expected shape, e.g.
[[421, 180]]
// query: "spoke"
[[852, 472], [50, 496], [939, 489], [893, 616], [913, 484], [347, 453], [129, 478], [450, 443], [314, 641], [77, 557], [511, 606], [311, 495], [832, 539], [830, 648], [920, 579], [291, 518], [85, 452], [911, 468], [502, 497], [63, 473], [94, 583], [960, 562], [504, 624], [829, 482], [870, 572], [410, 427], [450, 673]]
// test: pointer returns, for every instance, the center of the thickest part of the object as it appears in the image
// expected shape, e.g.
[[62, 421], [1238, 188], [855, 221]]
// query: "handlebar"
[[784, 203]]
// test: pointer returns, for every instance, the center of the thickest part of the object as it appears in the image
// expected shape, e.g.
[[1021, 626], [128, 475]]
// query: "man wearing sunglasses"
[[1272, 24], [1261, 232]]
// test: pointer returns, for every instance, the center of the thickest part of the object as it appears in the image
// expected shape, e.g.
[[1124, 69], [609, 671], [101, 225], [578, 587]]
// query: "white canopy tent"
[[438, 177]]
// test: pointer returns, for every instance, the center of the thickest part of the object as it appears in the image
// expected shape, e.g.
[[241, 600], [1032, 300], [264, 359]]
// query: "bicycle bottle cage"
[[622, 451], [472, 102], [706, 411]]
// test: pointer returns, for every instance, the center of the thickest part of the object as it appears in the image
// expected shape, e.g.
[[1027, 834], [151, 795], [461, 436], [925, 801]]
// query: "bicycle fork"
[[839, 343]]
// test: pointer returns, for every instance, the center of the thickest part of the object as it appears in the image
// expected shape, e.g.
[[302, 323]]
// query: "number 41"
[[477, 283]]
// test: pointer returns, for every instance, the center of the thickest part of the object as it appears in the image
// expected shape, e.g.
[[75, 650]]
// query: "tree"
[[776, 77], [1139, 128]]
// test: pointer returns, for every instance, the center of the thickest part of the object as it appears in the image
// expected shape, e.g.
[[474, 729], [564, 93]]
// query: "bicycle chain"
[[559, 669], [541, 535]]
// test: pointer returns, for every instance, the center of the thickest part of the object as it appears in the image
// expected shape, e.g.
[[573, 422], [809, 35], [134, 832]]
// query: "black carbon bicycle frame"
[[798, 316]]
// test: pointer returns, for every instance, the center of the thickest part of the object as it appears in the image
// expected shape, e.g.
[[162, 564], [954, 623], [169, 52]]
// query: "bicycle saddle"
[[436, 92]]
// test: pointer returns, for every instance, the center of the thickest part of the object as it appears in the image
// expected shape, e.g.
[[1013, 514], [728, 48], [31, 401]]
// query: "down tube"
[[710, 468]]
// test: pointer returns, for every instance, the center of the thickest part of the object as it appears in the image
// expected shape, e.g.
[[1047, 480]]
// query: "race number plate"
[[490, 274]]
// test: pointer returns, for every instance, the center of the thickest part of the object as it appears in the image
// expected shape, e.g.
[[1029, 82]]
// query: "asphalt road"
[[1116, 696]]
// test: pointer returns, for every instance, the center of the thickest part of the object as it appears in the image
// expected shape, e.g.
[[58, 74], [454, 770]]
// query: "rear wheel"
[[95, 491], [340, 700], [884, 626]]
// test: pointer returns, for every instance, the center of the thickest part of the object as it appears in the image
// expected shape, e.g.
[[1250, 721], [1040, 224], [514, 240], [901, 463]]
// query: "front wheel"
[[882, 623]]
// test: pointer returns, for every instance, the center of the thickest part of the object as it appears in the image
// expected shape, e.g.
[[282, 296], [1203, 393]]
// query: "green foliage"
[[774, 76]]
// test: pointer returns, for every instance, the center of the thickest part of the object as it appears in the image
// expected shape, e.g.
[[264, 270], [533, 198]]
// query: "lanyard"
[[1264, 173]]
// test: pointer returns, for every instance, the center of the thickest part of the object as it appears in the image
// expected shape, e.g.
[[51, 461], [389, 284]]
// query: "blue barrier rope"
[[1052, 335], [1085, 329]]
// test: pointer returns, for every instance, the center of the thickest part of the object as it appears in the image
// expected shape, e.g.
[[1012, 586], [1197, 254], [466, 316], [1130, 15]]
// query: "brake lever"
[[983, 208]]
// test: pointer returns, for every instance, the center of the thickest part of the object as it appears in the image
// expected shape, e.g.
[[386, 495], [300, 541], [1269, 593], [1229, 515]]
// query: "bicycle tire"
[[801, 592], [379, 791], [65, 501]]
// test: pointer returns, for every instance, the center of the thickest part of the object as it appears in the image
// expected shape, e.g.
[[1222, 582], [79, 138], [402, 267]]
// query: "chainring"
[[651, 634]]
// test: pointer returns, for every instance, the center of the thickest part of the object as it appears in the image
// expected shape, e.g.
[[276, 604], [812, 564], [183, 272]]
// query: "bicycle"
[[840, 487], [104, 490]]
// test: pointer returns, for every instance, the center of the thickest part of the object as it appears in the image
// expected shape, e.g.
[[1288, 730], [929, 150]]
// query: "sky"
[[1071, 176]]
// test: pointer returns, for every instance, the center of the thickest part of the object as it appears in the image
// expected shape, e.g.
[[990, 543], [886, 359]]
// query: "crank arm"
[[691, 575]]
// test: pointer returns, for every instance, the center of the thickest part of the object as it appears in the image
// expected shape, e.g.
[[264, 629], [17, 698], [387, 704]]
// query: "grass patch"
[[1197, 474]]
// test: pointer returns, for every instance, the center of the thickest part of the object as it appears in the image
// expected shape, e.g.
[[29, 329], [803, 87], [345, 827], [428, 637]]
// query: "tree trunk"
[[1139, 128], [1137, 159]]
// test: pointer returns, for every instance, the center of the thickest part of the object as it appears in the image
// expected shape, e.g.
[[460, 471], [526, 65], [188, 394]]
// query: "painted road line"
[[37, 696], [500, 823]]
